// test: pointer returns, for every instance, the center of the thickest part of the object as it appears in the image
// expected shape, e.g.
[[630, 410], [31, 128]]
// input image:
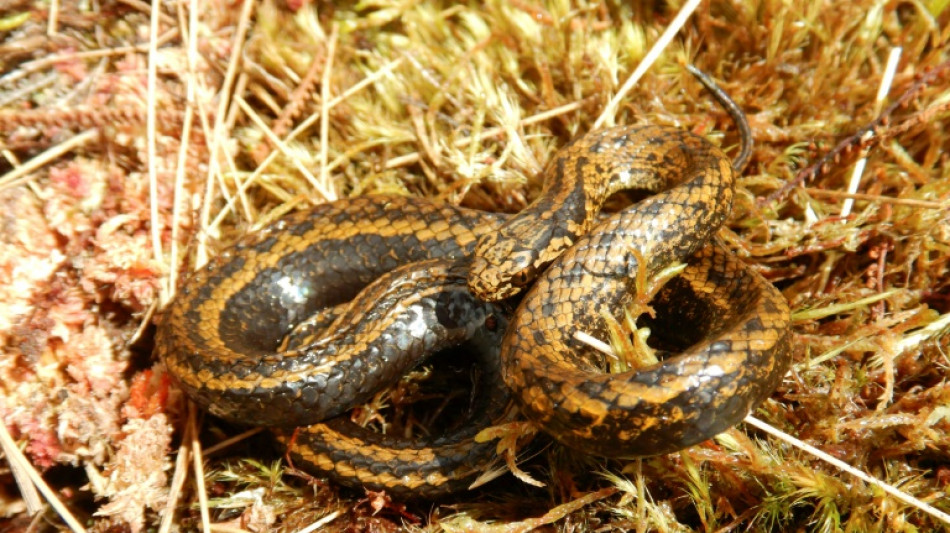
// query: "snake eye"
[[521, 279]]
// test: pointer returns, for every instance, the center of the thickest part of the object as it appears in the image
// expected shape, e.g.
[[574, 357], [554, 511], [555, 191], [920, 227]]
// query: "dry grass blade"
[[324, 184], [218, 133], [318, 184], [198, 464], [486, 134], [862, 135], [610, 109], [837, 463], [462, 523], [882, 91], [18, 175], [320, 523], [23, 466], [923, 204], [180, 474], [150, 128], [19, 467]]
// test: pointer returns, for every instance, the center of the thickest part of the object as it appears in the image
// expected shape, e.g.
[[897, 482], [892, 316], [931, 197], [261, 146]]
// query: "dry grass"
[[129, 160]]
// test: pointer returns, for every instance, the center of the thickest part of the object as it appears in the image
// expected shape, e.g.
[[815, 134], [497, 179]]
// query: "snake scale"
[[400, 278]]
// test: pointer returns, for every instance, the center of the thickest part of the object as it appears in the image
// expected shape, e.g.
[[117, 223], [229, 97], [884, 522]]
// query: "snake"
[[406, 277]]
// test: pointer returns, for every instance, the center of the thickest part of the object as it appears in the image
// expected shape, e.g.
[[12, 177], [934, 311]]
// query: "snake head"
[[508, 260], [497, 274]]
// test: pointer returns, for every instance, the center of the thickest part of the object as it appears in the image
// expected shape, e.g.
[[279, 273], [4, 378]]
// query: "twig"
[[21, 173], [931, 330], [859, 137], [47, 61], [297, 97], [925, 204], [595, 343], [81, 117], [189, 33], [144, 322], [181, 471], [837, 463], [150, 133], [231, 441], [34, 504], [14, 455], [50, 60], [198, 464], [320, 523], [144, 8]]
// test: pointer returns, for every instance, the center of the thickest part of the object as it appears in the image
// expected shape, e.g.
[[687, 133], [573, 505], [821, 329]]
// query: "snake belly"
[[219, 337]]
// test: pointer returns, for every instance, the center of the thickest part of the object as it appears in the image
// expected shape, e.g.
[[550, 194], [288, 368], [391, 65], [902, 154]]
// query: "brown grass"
[[275, 106]]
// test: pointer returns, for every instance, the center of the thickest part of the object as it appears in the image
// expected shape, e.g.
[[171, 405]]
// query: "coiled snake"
[[221, 338]]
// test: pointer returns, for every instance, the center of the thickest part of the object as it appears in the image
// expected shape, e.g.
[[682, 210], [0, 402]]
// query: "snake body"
[[394, 270], [684, 399], [221, 337]]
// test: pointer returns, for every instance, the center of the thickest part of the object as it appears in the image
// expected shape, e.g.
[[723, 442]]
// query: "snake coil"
[[409, 269]]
